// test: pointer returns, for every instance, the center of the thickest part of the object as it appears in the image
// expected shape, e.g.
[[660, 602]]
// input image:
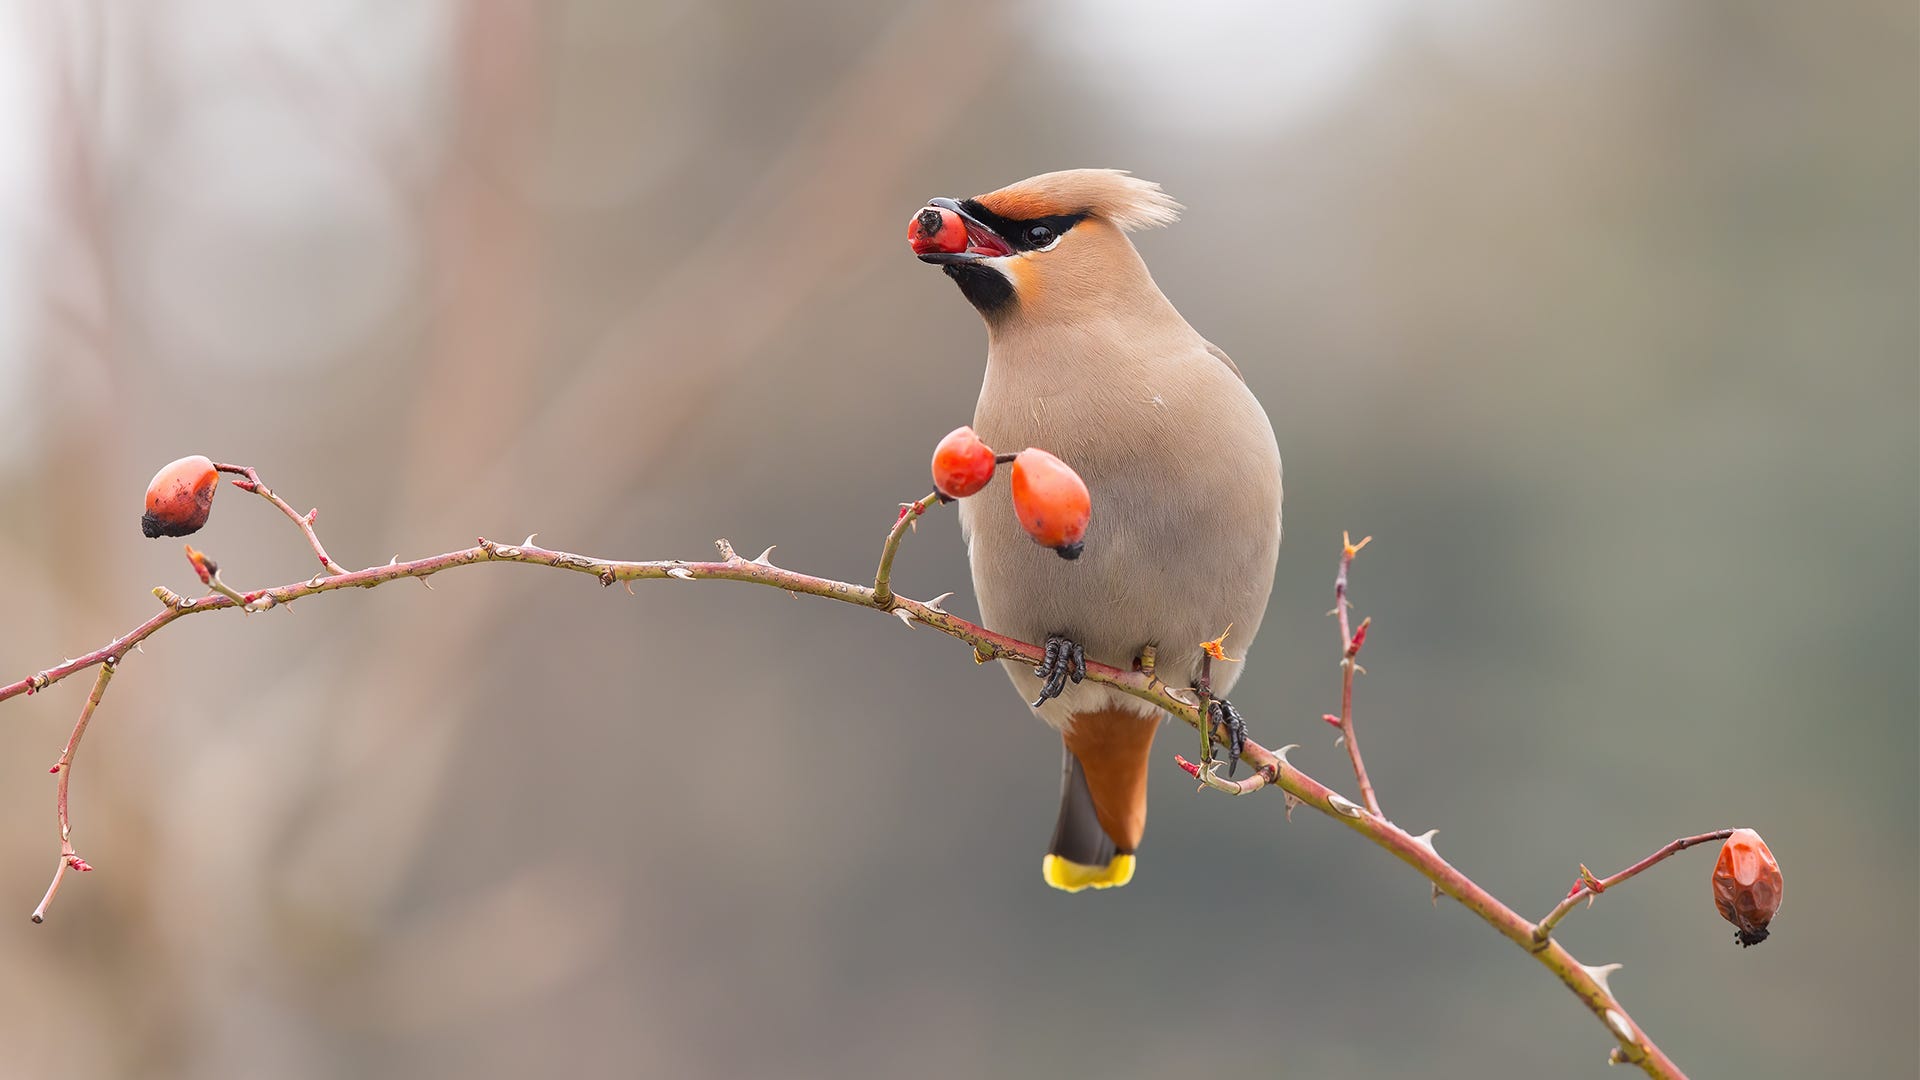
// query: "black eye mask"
[[1022, 235]]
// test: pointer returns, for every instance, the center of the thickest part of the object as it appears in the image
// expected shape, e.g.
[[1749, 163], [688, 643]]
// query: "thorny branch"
[[1271, 767], [1588, 887], [250, 481], [1350, 643], [69, 859]]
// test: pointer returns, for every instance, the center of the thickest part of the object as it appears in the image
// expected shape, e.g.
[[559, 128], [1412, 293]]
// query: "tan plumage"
[[1088, 359]]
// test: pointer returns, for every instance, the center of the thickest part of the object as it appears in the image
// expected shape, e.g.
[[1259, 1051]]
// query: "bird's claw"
[[1223, 713], [1065, 660]]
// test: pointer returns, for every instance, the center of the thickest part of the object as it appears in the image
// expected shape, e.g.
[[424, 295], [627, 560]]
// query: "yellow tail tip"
[[1069, 876]]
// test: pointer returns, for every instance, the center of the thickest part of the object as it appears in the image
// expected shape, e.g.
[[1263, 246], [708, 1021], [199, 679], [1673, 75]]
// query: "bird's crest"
[[1125, 200]]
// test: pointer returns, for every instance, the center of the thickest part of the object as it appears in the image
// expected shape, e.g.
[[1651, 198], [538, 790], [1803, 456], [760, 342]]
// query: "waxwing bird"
[[1087, 358]]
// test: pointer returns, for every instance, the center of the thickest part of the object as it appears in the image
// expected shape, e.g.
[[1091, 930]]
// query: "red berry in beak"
[[936, 230], [1051, 501], [1747, 886], [180, 497], [962, 464]]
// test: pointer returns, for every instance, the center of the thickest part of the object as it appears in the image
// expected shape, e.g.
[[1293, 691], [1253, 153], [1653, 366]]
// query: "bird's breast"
[[1184, 475]]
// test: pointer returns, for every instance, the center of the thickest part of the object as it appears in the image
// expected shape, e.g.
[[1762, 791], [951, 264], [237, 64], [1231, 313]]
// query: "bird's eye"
[[1039, 236]]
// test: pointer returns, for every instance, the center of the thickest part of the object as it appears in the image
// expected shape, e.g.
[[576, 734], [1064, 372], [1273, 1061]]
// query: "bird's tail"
[[1103, 800]]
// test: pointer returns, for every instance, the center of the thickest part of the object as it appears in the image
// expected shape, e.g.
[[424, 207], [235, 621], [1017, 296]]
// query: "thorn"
[[1436, 895], [1282, 754], [762, 557], [1341, 804], [681, 572], [629, 584], [528, 542], [905, 616], [1599, 974], [1425, 840], [1290, 801], [934, 604], [1621, 1028], [425, 582], [1339, 742], [1184, 696]]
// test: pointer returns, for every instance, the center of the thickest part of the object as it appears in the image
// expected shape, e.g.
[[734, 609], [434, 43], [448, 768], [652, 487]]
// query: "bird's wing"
[[1221, 355]]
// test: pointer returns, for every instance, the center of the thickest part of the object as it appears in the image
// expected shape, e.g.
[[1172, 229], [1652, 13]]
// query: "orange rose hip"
[[180, 497], [1051, 501]]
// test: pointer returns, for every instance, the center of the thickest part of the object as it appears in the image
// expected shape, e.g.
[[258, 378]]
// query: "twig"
[[1350, 643], [64, 767], [250, 481], [1588, 887], [1271, 768], [883, 578]]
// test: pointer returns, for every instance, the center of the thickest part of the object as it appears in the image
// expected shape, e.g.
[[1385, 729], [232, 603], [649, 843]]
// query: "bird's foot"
[[1065, 660], [1222, 713]]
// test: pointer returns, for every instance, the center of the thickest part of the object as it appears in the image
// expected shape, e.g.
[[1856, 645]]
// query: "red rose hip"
[[934, 229], [1747, 886], [180, 497], [1051, 501], [962, 464]]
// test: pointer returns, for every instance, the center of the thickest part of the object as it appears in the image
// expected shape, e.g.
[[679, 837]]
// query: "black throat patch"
[[987, 289]]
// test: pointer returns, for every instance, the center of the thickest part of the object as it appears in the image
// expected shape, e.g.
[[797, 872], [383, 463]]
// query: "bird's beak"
[[944, 234]]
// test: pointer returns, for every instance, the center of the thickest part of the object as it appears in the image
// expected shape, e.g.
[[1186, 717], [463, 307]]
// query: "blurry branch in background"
[[1756, 876], [624, 400]]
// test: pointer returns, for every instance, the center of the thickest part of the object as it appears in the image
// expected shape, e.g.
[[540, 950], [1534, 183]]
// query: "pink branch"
[[1271, 769], [1350, 643], [250, 481], [64, 768], [1588, 886]]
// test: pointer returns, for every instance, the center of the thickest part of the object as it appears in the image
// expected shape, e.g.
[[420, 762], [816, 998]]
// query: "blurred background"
[[1601, 320]]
